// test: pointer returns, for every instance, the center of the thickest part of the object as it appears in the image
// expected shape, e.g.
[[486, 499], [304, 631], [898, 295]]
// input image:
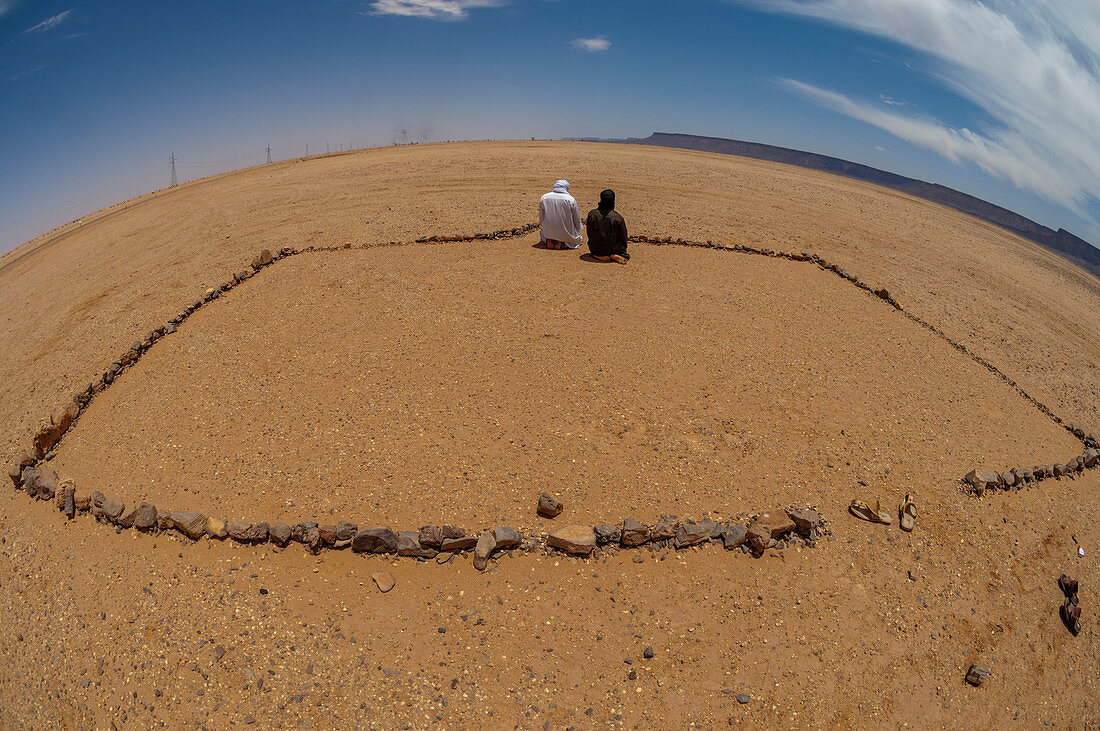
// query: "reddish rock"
[[40, 482], [690, 533], [777, 523], [634, 533], [63, 417], [408, 544], [430, 536], [383, 580], [465, 543], [486, 544], [579, 540], [45, 438], [16, 475], [375, 539], [665, 528], [192, 525], [549, 507], [307, 534], [328, 534], [506, 538], [146, 517], [280, 534], [453, 531], [805, 520]]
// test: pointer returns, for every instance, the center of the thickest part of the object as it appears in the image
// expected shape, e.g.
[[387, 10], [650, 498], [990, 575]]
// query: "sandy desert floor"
[[454, 382]]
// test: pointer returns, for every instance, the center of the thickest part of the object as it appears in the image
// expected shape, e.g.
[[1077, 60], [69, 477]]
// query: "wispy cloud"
[[1033, 68], [48, 23], [431, 9], [592, 45]]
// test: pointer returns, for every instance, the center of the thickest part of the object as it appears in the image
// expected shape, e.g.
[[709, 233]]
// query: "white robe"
[[560, 217]]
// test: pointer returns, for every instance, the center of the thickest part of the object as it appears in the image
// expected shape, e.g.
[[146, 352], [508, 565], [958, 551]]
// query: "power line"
[[172, 160]]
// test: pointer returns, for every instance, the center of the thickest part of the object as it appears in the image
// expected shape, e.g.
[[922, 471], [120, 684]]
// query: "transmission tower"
[[269, 153], [172, 162], [307, 149]]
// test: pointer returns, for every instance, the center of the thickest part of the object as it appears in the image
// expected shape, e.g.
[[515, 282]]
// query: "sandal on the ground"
[[1071, 615], [907, 512], [1067, 585], [869, 510]]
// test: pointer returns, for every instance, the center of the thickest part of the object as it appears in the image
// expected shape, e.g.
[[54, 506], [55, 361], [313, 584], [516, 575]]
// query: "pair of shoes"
[[1070, 610], [870, 510]]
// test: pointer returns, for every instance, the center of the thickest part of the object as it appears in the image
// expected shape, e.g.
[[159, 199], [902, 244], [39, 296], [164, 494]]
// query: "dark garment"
[[606, 232]]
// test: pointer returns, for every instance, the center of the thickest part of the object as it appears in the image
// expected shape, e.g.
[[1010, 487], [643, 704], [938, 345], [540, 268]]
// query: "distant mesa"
[[1062, 242]]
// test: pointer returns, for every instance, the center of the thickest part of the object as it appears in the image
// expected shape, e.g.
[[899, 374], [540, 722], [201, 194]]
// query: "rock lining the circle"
[[772, 529]]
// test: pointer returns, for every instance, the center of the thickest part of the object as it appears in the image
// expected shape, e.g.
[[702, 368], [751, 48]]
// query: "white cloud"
[[48, 23], [1032, 67], [592, 45], [432, 9]]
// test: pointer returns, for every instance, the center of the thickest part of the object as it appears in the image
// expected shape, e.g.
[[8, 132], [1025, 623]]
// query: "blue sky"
[[1001, 99]]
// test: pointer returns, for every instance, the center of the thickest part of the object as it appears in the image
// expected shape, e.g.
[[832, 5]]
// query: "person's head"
[[561, 186], [607, 200]]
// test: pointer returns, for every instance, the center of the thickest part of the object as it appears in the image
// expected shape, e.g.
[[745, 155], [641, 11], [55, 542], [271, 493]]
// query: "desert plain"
[[432, 383]]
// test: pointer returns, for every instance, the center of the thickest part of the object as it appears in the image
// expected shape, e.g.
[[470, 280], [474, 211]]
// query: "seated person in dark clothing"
[[607, 231]]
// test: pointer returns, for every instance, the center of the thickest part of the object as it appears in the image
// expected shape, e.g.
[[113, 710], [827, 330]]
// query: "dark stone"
[[257, 533], [464, 543], [453, 531], [648, 654], [733, 536], [607, 533], [375, 539], [1059, 470], [146, 517], [280, 534], [112, 508], [506, 538], [976, 675], [634, 533], [549, 507], [408, 544], [239, 530], [742, 698], [665, 528], [68, 504], [690, 533], [192, 525], [805, 520], [307, 534], [1092, 457], [345, 531], [97, 503], [40, 482], [430, 536], [1008, 479], [16, 475]]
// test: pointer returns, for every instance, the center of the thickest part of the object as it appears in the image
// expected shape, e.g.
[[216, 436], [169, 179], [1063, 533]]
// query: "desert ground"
[[433, 383]]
